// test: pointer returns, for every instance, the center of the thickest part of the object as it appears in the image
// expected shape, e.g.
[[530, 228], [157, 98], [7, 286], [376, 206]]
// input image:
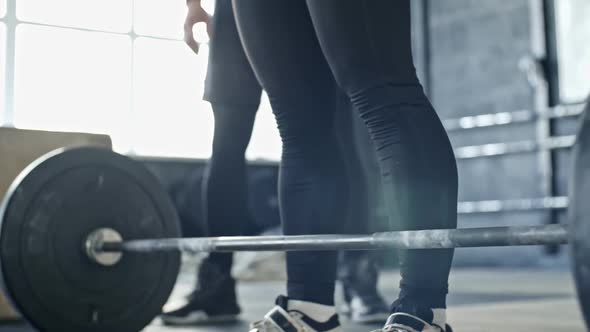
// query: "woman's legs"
[[234, 94], [368, 46], [225, 188], [358, 271], [280, 42]]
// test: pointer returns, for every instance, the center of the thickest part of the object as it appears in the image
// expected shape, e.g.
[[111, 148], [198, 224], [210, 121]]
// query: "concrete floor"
[[480, 301]]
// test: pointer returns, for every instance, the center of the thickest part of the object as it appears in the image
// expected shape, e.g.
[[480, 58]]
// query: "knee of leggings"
[[311, 150], [307, 139], [383, 94]]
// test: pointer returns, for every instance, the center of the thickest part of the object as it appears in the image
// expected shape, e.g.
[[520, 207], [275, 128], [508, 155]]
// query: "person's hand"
[[196, 14]]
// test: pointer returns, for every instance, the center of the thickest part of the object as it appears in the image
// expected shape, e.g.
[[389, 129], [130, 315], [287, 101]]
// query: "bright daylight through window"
[[118, 67]]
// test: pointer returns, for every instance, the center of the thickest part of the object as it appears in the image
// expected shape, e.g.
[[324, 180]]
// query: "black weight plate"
[[579, 215], [48, 213]]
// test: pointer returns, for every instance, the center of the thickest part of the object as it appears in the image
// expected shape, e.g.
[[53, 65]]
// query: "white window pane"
[[2, 71], [573, 33], [169, 115], [107, 15], [2, 8], [209, 6], [162, 18], [159, 18], [266, 142], [70, 80]]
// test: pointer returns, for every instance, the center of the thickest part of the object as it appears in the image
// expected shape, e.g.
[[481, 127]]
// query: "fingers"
[[192, 43], [194, 16], [189, 37]]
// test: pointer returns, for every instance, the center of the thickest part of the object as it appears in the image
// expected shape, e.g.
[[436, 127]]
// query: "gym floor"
[[482, 300]]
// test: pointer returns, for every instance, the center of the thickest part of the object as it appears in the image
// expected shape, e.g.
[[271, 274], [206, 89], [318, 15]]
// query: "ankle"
[[315, 292], [429, 297], [430, 315]]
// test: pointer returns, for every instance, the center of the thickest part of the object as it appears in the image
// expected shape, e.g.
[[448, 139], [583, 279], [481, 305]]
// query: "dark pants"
[[298, 50], [234, 93]]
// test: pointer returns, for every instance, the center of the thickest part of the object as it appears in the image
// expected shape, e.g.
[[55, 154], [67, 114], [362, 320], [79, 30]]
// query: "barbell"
[[90, 241]]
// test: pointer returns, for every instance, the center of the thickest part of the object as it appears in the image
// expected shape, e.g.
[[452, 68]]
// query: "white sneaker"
[[281, 319], [402, 322], [416, 319]]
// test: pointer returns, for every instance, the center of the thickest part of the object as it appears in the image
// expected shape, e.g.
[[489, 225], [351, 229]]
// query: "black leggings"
[[297, 49], [225, 196], [234, 93]]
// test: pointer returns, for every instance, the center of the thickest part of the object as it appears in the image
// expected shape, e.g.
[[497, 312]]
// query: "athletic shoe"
[[407, 318], [212, 302], [281, 319]]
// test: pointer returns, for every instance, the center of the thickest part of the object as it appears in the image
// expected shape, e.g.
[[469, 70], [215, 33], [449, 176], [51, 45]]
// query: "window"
[[162, 18], [104, 15], [2, 71], [159, 18], [170, 118], [265, 143], [117, 67], [2, 8], [64, 80], [573, 36]]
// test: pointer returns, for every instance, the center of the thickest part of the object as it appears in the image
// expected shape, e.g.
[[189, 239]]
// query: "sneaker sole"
[[200, 319]]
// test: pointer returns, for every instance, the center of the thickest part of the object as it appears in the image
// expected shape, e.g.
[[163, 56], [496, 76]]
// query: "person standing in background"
[[234, 93]]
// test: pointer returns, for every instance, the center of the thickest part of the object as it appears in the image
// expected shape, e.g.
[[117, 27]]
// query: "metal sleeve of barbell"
[[422, 239]]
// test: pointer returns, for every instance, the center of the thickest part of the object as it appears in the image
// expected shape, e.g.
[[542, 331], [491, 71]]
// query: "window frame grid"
[[11, 21]]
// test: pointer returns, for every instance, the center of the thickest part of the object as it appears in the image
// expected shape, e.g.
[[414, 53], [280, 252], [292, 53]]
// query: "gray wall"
[[473, 48]]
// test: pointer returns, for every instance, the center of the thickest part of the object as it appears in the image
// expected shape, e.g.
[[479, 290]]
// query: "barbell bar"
[[421, 239], [74, 208]]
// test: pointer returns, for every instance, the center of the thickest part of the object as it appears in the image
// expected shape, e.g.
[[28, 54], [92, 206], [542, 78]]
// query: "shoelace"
[[263, 326], [398, 328], [391, 328]]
